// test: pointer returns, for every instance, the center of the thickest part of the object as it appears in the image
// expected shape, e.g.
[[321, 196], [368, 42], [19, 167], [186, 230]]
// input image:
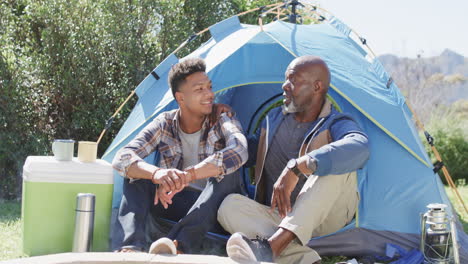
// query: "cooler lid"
[[48, 169]]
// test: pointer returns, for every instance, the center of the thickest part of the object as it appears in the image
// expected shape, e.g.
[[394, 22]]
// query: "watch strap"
[[296, 171]]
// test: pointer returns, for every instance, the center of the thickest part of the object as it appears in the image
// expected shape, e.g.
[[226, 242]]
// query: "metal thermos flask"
[[84, 222]]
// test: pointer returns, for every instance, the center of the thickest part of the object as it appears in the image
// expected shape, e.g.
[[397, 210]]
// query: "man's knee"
[[230, 205]]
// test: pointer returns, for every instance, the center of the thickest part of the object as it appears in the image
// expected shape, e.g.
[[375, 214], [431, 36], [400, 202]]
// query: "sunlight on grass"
[[10, 230], [463, 190]]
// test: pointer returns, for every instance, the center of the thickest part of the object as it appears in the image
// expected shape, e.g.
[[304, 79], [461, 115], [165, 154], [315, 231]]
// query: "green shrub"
[[66, 66], [449, 128]]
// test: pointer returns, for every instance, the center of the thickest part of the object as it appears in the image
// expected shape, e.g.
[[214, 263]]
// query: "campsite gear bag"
[[87, 151], [50, 188], [63, 149], [84, 222]]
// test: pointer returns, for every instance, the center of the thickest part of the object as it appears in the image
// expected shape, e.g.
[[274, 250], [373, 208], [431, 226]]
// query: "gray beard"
[[290, 109]]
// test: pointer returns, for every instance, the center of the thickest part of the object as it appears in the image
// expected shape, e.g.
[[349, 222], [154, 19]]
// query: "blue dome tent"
[[246, 64]]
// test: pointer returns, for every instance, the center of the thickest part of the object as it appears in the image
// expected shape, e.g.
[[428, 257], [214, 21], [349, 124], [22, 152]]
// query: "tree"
[[66, 66]]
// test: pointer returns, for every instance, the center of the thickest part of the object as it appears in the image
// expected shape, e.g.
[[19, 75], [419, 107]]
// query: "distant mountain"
[[428, 82], [447, 63]]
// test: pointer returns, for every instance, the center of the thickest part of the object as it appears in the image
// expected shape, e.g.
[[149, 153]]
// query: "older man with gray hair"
[[307, 154]]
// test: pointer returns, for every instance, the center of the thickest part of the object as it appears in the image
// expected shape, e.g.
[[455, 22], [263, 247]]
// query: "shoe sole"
[[238, 249], [163, 246]]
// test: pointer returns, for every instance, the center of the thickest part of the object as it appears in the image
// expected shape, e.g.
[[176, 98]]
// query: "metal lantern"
[[438, 236]]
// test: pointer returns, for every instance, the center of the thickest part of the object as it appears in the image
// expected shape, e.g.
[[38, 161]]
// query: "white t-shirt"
[[190, 144]]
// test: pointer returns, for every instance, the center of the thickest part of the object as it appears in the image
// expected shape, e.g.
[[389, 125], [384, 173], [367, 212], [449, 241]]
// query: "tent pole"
[[113, 116], [293, 16], [448, 178], [276, 5]]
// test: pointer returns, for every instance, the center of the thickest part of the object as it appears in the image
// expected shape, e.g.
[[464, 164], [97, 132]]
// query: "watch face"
[[291, 164]]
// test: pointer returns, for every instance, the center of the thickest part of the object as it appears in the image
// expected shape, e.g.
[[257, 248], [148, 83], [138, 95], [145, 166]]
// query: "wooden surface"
[[118, 258]]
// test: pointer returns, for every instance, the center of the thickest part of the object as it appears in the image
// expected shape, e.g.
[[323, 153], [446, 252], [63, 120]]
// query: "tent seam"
[[380, 126], [244, 84], [281, 44]]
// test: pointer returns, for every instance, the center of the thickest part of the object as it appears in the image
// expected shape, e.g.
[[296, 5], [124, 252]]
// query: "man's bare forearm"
[[141, 170], [205, 170]]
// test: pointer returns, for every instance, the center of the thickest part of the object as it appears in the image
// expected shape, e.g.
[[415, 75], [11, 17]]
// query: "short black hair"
[[181, 70]]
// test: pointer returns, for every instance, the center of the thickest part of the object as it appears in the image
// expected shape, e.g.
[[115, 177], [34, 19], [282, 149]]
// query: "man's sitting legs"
[[194, 212], [202, 216], [138, 203], [134, 208], [324, 205], [256, 222]]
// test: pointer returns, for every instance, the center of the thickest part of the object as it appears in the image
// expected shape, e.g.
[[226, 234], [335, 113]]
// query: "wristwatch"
[[292, 166]]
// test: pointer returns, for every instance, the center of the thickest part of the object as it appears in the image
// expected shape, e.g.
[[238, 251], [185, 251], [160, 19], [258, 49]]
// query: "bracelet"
[[191, 171]]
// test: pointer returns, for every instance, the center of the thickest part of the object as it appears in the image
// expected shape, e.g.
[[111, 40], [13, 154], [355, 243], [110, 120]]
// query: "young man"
[[191, 152], [305, 174]]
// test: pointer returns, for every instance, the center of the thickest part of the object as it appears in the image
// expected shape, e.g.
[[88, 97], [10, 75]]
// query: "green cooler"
[[49, 200]]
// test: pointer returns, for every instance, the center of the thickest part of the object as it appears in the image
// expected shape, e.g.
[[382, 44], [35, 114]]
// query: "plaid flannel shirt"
[[222, 145]]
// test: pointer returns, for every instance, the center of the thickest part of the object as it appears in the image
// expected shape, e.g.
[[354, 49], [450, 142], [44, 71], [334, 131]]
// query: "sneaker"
[[163, 246], [239, 247]]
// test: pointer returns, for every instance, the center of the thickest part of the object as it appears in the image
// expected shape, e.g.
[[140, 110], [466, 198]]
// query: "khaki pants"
[[324, 205]]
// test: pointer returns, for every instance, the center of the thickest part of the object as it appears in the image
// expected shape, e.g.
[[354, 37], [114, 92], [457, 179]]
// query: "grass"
[[10, 230], [10, 226], [463, 190]]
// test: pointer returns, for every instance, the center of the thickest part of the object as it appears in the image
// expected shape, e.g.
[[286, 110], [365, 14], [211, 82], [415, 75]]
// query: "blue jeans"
[[195, 212]]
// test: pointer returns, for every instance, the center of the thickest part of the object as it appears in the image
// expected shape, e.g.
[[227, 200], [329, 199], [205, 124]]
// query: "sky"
[[405, 27]]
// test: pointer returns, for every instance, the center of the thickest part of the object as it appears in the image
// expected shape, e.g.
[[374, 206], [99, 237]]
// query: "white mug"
[[63, 149], [87, 151]]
